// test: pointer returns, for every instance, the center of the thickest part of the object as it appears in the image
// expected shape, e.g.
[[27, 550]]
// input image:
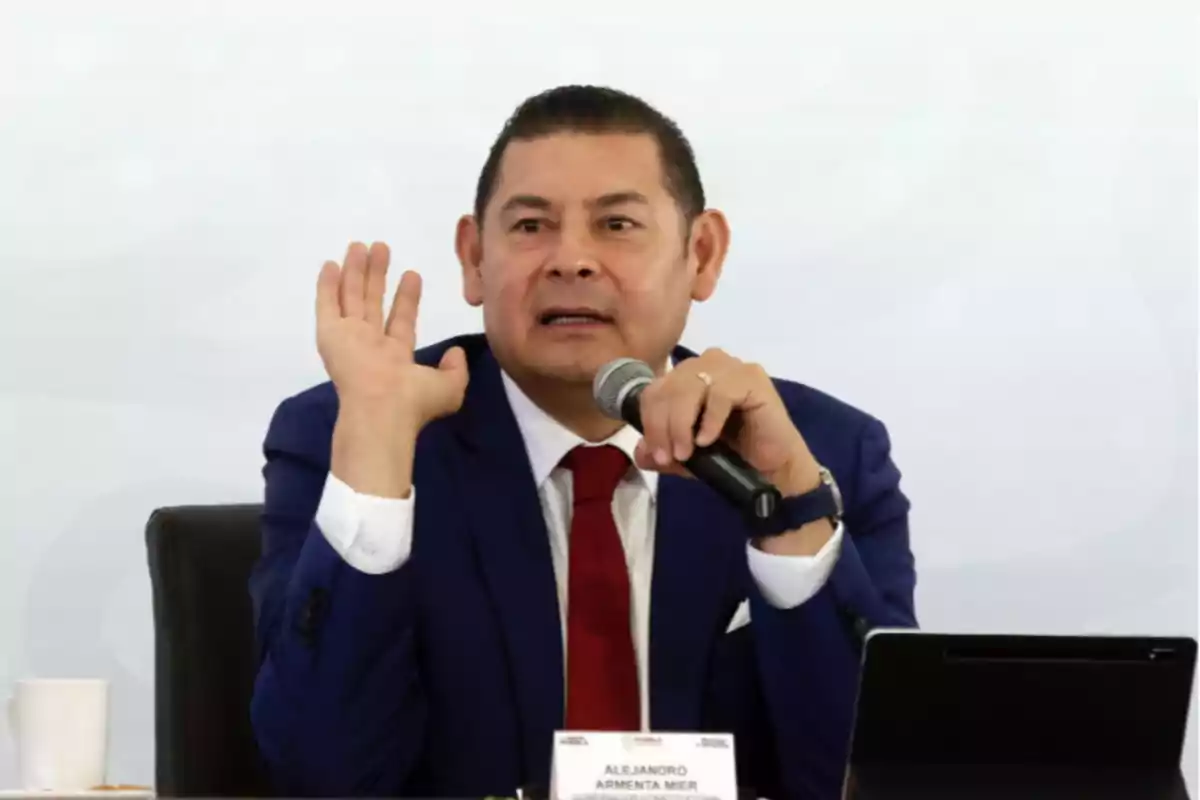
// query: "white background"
[[975, 220]]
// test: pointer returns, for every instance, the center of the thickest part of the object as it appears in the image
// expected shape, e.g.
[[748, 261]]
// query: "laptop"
[[1020, 716]]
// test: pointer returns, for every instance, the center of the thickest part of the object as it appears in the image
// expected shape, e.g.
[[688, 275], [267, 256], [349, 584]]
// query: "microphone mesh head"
[[608, 387]]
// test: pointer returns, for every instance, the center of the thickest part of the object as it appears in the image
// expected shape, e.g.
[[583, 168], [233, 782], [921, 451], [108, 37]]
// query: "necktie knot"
[[597, 471]]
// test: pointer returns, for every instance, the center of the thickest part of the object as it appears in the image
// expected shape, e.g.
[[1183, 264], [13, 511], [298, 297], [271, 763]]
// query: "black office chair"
[[205, 655]]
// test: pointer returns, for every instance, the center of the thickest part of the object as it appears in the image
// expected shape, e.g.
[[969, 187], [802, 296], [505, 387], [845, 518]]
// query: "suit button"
[[312, 614]]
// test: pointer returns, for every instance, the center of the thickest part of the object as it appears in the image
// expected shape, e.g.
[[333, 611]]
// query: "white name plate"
[[642, 766]]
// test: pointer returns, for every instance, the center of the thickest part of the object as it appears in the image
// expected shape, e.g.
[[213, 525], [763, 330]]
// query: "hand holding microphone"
[[716, 418]]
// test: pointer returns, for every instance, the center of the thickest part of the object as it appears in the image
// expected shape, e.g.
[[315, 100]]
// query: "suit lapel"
[[695, 553], [695, 540], [513, 550]]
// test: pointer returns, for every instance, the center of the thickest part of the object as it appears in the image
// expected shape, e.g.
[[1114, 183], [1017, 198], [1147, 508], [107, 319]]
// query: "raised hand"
[[385, 397]]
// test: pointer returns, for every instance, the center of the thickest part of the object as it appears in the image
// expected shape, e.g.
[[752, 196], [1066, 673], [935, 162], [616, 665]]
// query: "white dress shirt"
[[374, 534]]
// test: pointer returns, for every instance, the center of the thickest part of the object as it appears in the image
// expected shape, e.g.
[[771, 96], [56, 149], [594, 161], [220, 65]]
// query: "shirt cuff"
[[788, 581], [371, 534]]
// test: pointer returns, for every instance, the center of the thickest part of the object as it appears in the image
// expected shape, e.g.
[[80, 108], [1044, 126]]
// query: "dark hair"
[[597, 109]]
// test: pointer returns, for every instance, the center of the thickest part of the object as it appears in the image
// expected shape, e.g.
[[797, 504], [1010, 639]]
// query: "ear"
[[469, 246], [708, 243]]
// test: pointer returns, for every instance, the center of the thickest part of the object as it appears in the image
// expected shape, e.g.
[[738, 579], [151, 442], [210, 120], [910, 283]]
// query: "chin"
[[578, 367], [573, 372]]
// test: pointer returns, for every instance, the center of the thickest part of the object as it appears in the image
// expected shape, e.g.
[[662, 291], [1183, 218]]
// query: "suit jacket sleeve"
[[337, 707], [809, 657]]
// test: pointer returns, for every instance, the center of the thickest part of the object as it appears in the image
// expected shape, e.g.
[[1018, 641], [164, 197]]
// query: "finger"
[[378, 258], [643, 459], [353, 280], [717, 408], [402, 319], [656, 429], [685, 410], [329, 309]]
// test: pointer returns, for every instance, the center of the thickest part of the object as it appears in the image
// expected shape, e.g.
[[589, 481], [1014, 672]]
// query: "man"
[[462, 554]]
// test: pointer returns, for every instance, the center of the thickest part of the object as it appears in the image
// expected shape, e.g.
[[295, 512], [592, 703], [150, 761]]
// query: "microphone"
[[617, 389]]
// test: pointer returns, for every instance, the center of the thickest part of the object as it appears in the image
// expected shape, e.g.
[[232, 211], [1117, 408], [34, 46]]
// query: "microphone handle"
[[719, 466]]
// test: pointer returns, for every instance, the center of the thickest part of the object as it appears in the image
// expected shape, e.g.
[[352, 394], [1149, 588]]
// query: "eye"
[[619, 224], [527, 225]]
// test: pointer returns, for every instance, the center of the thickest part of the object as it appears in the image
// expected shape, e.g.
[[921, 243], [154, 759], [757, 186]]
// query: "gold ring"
[[705, 378]]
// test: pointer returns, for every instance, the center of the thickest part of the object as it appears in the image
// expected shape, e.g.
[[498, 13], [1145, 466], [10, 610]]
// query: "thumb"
[[448, 390], [454, 360], [454, 366]]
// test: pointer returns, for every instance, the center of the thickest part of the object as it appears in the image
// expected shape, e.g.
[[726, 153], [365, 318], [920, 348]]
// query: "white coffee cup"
[[61, 731]]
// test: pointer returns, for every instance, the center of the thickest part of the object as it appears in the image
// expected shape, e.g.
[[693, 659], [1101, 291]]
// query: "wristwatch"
[[797, 511]]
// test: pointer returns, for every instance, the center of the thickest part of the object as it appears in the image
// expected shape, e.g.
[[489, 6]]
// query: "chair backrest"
[[205, 655]]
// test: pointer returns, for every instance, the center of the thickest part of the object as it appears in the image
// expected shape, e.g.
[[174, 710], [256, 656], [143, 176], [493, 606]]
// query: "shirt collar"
[[547, 441]]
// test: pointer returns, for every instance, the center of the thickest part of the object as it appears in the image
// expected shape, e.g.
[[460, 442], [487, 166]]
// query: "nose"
[[574, 258], [579, 269]]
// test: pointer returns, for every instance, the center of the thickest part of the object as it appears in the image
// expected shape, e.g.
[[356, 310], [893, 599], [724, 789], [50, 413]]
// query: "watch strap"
[[799, 510]]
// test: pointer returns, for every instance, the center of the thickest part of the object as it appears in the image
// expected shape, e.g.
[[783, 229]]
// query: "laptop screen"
[[1062, 701]]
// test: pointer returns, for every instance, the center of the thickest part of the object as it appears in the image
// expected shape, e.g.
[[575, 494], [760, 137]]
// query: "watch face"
[[827, 477]]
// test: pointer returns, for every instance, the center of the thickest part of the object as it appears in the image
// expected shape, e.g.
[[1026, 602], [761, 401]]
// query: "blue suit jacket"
[[445, 677]]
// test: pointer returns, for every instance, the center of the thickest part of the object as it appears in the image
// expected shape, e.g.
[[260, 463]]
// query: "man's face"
[[584, 256]]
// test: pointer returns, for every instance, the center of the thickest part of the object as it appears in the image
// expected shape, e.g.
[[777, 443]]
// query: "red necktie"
[[602, 683]]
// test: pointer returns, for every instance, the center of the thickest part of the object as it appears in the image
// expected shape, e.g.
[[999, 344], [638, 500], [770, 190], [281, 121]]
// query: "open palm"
[[370, 359]]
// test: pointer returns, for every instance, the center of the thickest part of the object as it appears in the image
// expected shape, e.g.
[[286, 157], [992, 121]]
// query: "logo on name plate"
[[635, 740], [710, 741], [573, 740]]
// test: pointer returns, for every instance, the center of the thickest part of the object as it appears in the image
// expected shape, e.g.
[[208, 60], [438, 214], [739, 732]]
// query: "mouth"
[[573, 317]]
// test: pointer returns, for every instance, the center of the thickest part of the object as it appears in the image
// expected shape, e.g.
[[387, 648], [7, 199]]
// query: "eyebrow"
[[620, 199], [525, 201], [539, 203]]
